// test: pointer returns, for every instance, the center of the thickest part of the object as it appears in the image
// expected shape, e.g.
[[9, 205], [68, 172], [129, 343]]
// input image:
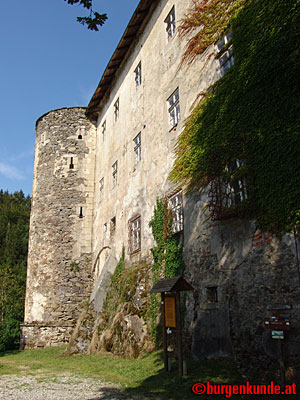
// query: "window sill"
[[174, 128]]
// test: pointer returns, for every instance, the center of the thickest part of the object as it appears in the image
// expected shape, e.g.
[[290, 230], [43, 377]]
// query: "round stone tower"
[[58, 277]]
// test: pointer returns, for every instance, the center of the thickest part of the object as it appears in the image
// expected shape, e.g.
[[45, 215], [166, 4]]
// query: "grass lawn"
[[144, 375]]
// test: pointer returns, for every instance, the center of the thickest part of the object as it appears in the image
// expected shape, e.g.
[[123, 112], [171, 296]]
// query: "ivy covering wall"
[[253, 114]]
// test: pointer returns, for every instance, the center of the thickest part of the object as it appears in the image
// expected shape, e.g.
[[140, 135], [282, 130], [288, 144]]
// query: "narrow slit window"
[[112, 226], [71, 166], [81, 132], [81, 213]]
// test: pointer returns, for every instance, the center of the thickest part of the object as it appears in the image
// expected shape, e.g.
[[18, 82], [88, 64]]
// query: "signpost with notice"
[[170, 289], [278, 325]]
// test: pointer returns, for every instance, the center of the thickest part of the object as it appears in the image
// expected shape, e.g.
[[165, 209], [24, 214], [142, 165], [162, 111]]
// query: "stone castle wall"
[[242, 277], [60, 227]]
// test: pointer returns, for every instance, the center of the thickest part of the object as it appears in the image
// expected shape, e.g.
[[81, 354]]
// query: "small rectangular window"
[[116, 110], [212, 294], [71, 166], [170, 23], [225, 53], [138, 75], [115, 173], [101, 188], [137, 148], [112, 226], [135, 234], [174, 108], [176, 205], [103, 130]]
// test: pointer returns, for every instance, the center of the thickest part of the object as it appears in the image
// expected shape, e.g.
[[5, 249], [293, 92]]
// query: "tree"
[[94, 20], [14, 226]]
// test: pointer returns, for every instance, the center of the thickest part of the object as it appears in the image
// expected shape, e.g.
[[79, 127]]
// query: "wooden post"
[[179, 335], [165, 344], [282, 367]]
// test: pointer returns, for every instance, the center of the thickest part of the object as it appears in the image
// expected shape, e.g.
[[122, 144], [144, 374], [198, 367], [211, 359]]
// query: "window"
[[116, 110], [225, 53], [236, 188], [176, 205], [212, 294], [135, 234], [103, 130], [174, 108], [81, 213], [115, 173], [101, 188], [137, 148], [138, 75], [112, 226], [81, 132], [71, 166], [170, 23]]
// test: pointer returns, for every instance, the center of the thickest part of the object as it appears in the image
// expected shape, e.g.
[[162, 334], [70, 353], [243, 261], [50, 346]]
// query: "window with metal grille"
[[116, 110], [236, 188], [138, 75], [176, 205], [225, 53], [135, 234], [174, 108], [115, 173], [137, 148], [170, 23]]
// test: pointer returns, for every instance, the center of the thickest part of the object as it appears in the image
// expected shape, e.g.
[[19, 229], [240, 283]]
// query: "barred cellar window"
[[176, 205], [135, 234]]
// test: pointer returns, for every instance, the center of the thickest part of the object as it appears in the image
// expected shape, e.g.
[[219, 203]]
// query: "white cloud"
[[24, 154], [10, 172]]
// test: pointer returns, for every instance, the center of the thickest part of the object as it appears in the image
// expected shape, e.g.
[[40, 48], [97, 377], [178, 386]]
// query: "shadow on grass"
[[168, 385], [10, 352]]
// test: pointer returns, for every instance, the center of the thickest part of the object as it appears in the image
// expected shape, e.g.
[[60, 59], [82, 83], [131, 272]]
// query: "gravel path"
[[63, 388]]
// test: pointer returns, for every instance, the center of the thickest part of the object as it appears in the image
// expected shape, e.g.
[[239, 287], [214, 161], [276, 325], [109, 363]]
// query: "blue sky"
[[47, 61]]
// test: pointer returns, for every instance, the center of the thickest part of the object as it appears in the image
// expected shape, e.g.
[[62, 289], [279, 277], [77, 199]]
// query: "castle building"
[[98, 172]]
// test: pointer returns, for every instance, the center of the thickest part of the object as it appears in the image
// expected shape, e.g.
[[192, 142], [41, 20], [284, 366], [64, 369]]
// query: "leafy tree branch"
[[94, 20]]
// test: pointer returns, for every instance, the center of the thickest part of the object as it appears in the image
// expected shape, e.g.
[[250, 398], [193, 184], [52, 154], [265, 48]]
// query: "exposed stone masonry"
[[60, 241]]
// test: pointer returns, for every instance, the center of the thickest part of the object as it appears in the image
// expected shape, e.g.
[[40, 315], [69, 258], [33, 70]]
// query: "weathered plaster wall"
[[142, 109], [60, 241]]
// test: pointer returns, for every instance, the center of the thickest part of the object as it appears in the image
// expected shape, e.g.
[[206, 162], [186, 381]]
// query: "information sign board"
[[170, 312]]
